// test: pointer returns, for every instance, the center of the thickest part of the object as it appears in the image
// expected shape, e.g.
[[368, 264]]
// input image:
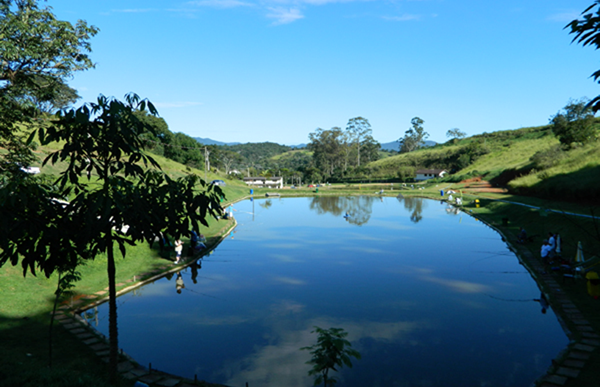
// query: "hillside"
[[527, 161]]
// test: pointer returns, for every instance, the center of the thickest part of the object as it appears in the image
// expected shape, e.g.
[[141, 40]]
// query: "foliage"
[[359, 132], [331, 350], [456, 134], [39, 53], [413, 137], [116, 201], [255, 154], [575, 124], [326, 146], [547, 158], [338, 153], [587, 32]]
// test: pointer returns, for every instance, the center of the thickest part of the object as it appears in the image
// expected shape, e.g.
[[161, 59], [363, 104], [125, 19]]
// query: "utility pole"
[[206, 162]]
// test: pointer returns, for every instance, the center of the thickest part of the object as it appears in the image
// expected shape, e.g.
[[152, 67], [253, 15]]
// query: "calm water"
[[430, 297]]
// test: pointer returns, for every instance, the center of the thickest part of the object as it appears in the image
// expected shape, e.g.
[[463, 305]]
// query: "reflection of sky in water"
[[438, 302]]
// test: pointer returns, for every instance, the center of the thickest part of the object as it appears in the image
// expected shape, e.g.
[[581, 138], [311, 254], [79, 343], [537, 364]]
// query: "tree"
[[370, 149], [358, 128], [38, 54], [455, 134], [228, 159], [575, 124], [587, 32], [116, 201], [413, 137], [326, 146], [330, 351]]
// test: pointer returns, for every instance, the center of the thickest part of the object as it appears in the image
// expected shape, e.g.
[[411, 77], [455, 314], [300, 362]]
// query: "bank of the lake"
[[26, 303]]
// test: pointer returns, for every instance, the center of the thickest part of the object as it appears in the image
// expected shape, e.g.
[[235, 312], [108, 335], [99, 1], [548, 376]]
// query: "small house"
[[426, 174], [264, 182]]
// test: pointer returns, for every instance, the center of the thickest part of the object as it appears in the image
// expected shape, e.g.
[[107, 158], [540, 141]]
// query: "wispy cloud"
[[564, 17], [405, 17], [176, 104], [284, 15]]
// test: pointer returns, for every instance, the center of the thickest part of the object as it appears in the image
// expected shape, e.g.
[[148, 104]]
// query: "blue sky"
[[276, 70]]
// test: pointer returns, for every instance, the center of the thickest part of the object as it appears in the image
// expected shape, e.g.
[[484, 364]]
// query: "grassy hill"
[[527, 161]]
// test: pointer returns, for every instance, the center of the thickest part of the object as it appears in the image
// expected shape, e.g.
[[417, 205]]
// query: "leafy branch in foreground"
[[331, 350]]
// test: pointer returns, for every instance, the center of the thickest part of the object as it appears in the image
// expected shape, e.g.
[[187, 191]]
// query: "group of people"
[[550, 248], [196, 244]]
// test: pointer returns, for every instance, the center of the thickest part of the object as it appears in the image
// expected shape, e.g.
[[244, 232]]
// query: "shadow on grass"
[[24, 356], [582, 186]]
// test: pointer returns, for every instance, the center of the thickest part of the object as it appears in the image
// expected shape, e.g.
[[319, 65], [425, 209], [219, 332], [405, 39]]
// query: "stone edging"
[[583, 341]]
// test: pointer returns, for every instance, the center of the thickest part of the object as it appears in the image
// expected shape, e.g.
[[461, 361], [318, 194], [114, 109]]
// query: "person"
[[552, 243], [543, 302], [178, 250], [522, 237], [545, 252], [193, 242], [179, 283]]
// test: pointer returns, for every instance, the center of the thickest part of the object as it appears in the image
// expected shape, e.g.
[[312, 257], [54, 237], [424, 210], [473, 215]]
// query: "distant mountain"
[[385, 146], [395, 146], [209, 141]]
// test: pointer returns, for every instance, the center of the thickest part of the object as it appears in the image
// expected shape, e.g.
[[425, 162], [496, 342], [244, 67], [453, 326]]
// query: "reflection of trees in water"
[[413, 204], [266, 204], [358, 207]]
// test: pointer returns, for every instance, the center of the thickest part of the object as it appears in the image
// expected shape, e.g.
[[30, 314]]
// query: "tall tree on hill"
[[455, 134], [38, 54], [359, 129], [327, 149], [575, 124], [413, 137]]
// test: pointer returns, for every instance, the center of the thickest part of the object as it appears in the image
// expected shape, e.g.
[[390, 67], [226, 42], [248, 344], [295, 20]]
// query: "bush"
[[547, 158]]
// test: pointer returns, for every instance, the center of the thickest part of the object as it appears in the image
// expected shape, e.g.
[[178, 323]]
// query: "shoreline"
[[565, 368]]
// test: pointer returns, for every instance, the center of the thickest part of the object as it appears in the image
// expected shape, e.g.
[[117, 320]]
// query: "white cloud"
[[284, 15]]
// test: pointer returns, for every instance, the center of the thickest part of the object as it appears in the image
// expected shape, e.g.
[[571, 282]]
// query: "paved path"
[[584, 340]]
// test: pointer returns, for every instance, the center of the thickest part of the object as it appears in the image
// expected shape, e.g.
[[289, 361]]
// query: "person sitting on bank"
[[545, 251], [522, 237]]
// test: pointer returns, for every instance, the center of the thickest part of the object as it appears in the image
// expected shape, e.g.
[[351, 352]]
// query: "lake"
[[428, 295]]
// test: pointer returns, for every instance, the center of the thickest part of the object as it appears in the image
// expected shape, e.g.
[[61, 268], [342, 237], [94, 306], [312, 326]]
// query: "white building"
[[264, 182], [426, 174]]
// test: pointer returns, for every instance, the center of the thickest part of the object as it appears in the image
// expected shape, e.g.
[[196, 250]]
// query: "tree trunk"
[[58, 292], [112, 308]]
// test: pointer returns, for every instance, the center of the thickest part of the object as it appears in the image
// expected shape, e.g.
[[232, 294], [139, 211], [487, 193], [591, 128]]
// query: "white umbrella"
[[579, 255]]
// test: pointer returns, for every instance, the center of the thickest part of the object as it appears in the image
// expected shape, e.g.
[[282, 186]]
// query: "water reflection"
[[414, 205], [266, 204], [424, 302], [356, 209], [179, 285]]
